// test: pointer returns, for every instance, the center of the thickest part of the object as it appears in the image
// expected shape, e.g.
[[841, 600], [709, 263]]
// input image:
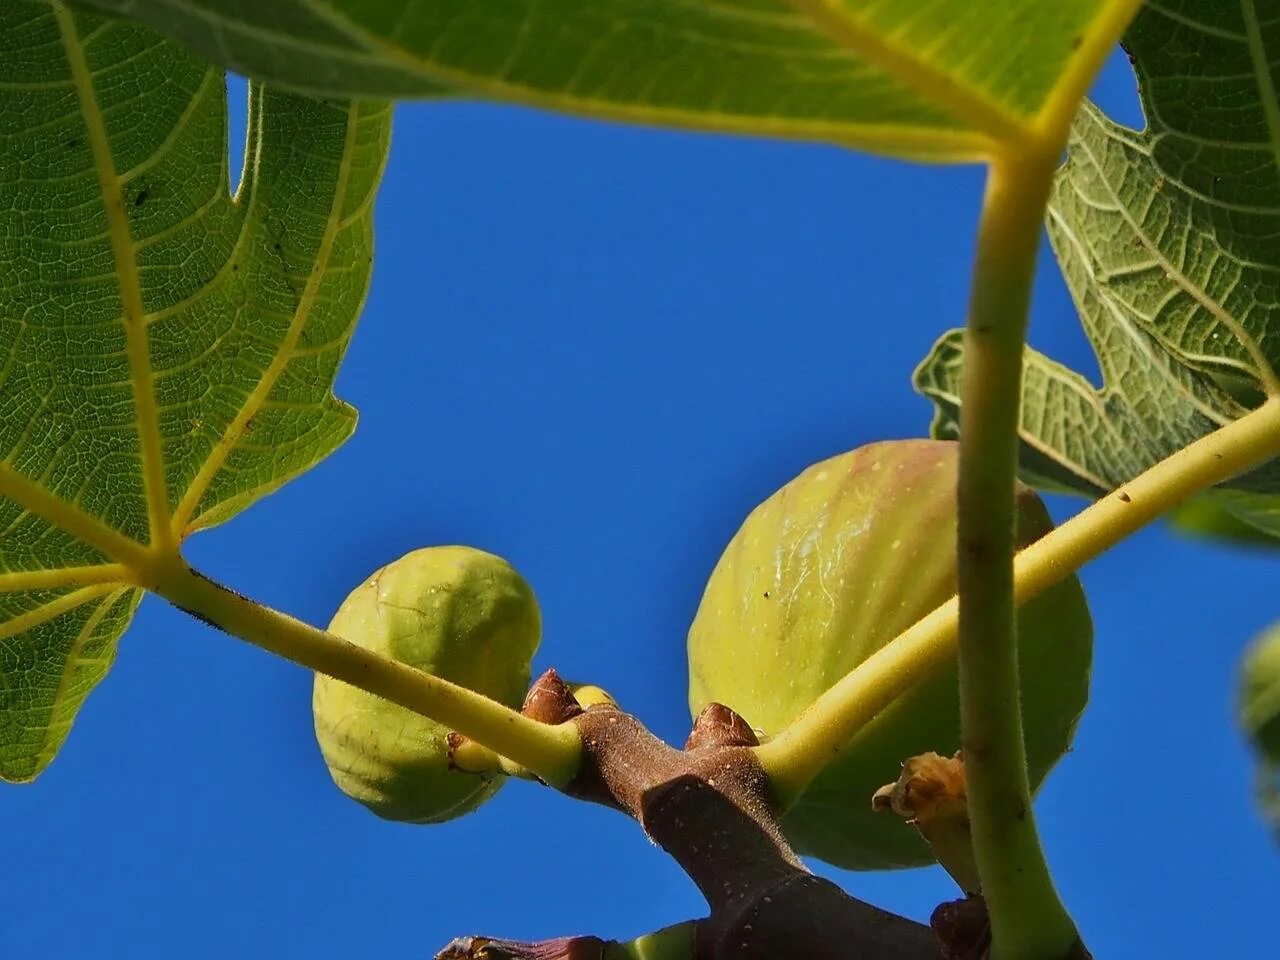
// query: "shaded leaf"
[[1223, 515], [1167, 239], [932, 79], [1260, 715], [169, 349]]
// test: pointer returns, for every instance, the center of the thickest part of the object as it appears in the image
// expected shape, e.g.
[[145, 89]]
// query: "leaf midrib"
[[127, 559], [155, 487], [937, 87]]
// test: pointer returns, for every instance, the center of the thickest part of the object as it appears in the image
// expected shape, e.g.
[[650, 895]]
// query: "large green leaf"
[[931, 78], [1260, 715], [1168, 241], [168, 350]]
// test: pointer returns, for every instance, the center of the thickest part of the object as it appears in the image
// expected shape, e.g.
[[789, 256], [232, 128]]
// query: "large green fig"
[[825, 572], [459, 613]]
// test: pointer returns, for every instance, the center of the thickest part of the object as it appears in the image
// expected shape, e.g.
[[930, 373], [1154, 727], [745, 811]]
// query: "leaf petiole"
[[1028, 920]]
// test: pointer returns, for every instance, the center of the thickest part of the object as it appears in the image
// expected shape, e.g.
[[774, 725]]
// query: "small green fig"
[[1260, 716], [825, 572], [1260, 693], [459, 613]]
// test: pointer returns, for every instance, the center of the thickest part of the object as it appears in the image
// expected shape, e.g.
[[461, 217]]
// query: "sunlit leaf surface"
[[168, 350]]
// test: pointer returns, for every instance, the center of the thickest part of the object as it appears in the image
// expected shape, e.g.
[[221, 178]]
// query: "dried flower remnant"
[[930, 795]]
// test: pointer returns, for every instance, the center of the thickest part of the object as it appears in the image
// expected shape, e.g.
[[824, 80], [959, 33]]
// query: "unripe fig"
[[825, 572], [1260, 693], [459, 613], [1260, 715]]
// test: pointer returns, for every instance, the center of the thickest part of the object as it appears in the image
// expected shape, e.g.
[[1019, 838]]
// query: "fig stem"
[[551, 752], [1028, 920]]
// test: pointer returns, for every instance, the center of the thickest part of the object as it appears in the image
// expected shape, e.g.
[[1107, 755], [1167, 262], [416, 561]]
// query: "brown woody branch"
[[710, 807]]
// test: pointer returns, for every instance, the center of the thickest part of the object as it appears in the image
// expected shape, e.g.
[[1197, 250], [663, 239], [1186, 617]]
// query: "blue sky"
[[592, 349]]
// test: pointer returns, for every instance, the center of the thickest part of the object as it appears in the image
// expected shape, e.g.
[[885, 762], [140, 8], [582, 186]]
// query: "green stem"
[[550, 752], [1028, 920], [1227, 452]]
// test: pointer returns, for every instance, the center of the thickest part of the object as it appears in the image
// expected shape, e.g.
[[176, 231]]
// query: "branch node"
[[718, 726]]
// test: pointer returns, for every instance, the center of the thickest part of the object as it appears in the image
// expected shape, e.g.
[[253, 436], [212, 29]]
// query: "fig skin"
[[830, 568], [457, 612]]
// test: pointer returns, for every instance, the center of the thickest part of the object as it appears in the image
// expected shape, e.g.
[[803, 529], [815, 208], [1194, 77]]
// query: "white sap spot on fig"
[[849, 532], [808, 544]]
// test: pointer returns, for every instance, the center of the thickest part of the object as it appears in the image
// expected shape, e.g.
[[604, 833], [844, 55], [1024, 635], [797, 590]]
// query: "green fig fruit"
[[1260, 716], [825, 572], [456, 612]]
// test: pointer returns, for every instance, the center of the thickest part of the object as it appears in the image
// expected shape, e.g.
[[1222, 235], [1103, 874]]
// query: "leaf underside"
[[1168, 242], [924, 79], [167, 350]]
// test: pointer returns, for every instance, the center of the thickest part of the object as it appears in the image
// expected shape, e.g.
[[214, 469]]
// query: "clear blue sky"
[[592, 349]]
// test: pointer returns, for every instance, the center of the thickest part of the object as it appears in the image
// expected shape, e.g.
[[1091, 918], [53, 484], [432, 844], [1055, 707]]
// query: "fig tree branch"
[[710, 806]]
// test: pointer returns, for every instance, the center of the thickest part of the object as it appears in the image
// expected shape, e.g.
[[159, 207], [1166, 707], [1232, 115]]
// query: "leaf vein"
[[150, 453], [72, 661], [53, 609], [236, 428], [1263, 368]]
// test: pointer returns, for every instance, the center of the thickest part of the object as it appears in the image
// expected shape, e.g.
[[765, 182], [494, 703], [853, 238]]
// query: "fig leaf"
[[170, 348], [934, 80]]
